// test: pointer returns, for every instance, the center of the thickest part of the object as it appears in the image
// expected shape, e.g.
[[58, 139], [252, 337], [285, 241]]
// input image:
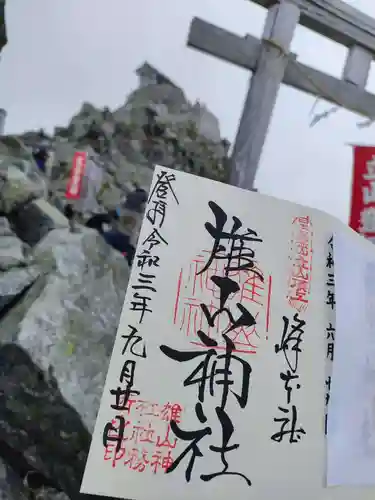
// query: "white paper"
[[291, 259], [351, 412]]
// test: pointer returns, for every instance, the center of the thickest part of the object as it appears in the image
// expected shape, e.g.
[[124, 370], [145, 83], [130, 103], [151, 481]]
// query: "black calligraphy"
[[135, 346], [290, 347], [240, 255], [147, 262], [213, 373], [147, 259], [330, 328]]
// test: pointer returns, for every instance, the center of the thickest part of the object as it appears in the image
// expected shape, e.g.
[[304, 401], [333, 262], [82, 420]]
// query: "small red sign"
[[73, 189], [362, 213]]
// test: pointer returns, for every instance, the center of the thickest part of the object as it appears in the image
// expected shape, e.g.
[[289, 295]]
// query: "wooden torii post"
[[272, 64]]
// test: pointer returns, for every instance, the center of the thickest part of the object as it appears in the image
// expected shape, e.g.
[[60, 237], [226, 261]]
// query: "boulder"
[[11, 252], [127, 172], [169, 95], [17, 188], [11, 486], [82, 121], [33, 220], [13, 283], [11, 248], [15, 154], [131, 150], [68, 319], [206, 123], [41, 437], [58, 220], [110, 196], [49, 494], [5, 229], [13, 147], [64, 152]]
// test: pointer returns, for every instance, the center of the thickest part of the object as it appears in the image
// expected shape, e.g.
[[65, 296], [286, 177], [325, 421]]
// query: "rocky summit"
[[62, 285]]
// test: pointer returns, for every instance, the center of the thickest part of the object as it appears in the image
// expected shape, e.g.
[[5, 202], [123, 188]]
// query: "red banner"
[[73, 189], [362, 213]]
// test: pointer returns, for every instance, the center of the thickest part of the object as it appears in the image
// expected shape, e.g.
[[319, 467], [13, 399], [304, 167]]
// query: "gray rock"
[[14, 154], [13, 283], [13, 147], [33, 220], [11, 486], [169, 95], [16, 189], [68, 319], [81, 122], [49, 494], [128, 172], [43, 444], [41, 436], [110, 196], [36, 140], [11, 248], [5, 229], [64, 152], [131, 150], [11, 252], [206, 123], [58, 220]]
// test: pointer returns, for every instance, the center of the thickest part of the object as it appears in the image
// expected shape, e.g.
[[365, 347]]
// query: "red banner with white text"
[[73, 189], [362, 212]]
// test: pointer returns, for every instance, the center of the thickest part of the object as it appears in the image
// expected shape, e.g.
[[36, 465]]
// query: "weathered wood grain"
[[244, 52], [336, 20]]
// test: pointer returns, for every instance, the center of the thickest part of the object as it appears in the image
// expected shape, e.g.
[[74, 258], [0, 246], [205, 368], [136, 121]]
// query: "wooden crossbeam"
[[272, 64], [336, 20], [244, 52]]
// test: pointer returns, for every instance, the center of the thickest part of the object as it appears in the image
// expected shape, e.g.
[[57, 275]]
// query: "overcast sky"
[[63, 52]]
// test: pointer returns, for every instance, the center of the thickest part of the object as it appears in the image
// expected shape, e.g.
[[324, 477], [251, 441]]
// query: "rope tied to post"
[[292, 57]]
